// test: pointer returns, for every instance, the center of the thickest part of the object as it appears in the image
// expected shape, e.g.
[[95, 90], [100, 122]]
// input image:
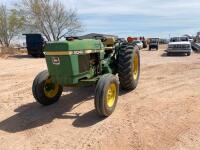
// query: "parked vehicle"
[[139, 44], [35, 45], [140, 39], [154, 43], [191, 40], [179, 45], [190, 37]]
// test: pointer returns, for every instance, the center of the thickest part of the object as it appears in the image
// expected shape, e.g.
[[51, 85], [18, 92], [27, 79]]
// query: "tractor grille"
[[84, 63]]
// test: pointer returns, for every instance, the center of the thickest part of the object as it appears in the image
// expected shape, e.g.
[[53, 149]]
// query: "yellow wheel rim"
[[111, 95], [135, 66], [50, 89]]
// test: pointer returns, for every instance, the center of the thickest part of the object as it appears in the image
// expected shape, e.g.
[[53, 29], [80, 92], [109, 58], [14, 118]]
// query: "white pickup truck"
[[179, 45]]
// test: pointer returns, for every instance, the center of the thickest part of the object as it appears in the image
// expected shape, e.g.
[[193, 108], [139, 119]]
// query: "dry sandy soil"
[[161, 114]]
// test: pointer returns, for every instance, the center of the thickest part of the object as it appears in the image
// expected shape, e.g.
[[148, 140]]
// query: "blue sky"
[[151, 18]]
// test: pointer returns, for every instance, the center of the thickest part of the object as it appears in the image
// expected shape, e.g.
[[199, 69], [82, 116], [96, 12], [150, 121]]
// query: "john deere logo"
[[56, 60]]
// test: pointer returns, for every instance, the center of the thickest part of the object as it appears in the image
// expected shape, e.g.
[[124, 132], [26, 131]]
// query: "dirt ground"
[[161, 114]]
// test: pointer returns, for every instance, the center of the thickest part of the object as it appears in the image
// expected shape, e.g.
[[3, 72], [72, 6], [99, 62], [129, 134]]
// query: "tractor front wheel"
[[44, 90], [106, 95]]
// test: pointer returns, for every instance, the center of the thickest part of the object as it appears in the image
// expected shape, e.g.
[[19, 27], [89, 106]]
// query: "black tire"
[[126, 67], [189, 53], [101, 103], [38, 89]]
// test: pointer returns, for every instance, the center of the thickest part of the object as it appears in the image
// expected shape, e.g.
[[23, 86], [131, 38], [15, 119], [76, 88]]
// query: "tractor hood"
[[74, 45], [69, 61]]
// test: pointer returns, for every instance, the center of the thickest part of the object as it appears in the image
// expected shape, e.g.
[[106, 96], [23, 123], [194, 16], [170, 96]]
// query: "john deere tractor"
[[106, 63]]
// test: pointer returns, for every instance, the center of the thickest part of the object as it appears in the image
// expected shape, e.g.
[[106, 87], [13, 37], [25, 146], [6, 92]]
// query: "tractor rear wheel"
[[129, 67], [106, 95], [44, 90]]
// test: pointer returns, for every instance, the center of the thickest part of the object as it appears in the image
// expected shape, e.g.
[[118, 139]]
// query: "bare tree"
[[11, 25], [3, 26], [51, 18]]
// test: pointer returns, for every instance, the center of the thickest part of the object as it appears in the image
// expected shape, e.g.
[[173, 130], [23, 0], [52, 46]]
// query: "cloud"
[[137, 17], [144, 7]]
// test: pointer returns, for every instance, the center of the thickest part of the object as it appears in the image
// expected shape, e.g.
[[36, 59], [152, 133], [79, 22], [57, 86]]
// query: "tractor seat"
[[109, 42]]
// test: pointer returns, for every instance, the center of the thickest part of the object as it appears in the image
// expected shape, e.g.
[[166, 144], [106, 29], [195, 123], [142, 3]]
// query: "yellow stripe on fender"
[[59, 53]]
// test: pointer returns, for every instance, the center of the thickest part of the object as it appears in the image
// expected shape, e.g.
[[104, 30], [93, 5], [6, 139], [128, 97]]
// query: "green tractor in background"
[[75, 62]]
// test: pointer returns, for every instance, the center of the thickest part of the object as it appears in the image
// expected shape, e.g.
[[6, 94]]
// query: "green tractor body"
[[75, 63], [84, 62]]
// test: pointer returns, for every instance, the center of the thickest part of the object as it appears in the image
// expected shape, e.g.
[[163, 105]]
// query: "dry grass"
[[5, 52]]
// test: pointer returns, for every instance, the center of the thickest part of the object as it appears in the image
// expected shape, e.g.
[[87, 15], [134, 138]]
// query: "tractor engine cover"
[[69, 61]]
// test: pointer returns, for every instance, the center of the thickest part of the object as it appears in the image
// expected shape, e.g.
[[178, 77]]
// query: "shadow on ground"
[[86, 120], [34, 115]]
